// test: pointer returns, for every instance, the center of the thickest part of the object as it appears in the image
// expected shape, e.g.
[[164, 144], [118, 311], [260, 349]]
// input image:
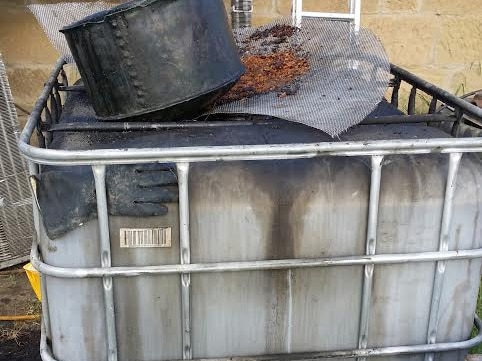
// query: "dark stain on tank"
[[281, 182], [476, 239], [262, 186], [286, 182], [291, 183], [458, 231]]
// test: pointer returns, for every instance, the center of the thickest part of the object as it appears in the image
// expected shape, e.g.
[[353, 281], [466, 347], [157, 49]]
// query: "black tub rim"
[[232, 80], [102, 16]]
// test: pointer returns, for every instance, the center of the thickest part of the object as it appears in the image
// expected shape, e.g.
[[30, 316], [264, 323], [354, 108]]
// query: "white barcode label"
[[145, 238]]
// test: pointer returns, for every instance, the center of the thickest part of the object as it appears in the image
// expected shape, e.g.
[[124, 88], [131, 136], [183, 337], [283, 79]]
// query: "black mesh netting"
[[349, 74]]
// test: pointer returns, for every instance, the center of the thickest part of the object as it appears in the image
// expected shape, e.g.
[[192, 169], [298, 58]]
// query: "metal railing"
[[47, 111]]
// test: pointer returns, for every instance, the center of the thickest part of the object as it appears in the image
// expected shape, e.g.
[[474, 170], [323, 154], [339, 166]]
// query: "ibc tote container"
[[271, 210], [300, 236]]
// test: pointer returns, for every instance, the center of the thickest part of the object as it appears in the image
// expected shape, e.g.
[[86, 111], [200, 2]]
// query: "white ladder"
[[353, 17]]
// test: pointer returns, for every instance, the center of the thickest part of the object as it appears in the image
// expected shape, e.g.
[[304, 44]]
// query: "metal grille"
[[15, 199]]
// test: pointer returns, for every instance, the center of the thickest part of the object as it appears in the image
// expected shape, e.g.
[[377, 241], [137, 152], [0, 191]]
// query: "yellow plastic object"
[[34, 278]]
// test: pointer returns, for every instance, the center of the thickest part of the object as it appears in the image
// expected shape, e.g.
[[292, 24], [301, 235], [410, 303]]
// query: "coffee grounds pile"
[[277, 69], [276, 31], [268, 73]]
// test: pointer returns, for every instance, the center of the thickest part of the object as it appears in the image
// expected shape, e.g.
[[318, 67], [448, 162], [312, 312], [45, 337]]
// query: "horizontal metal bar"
[[407, 119], [148, 126], [234, 9], [72, 88], [46, 351], [331, 16], [247, 152], [144, 126], [63, 272]]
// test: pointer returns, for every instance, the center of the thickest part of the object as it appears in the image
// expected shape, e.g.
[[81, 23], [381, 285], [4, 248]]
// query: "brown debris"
[[278, 72], [276, 31]]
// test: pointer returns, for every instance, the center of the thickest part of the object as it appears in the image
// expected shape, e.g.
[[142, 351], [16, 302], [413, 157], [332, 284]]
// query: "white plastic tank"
[[265, 210]]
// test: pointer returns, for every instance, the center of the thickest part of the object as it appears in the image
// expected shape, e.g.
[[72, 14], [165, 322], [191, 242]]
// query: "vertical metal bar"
[[433, 105], [58, 100], [289, 329], [34, 171], [45, 306], [106, 261], [354, 8], [351, 6], [241, 13], [297, 12], [396, 89], [371, 244], [454, 164], [185, 254], [459, 115], [63, 76], [357, 14], [411, 101]]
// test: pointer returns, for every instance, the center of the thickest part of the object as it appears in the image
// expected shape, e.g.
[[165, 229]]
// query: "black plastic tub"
[[155, 59]]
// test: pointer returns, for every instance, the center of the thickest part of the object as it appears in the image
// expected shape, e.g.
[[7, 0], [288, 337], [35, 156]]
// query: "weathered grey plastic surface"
[[272, 210]]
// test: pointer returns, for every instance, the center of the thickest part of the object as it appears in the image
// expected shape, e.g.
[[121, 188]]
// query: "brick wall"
[[440, 40]]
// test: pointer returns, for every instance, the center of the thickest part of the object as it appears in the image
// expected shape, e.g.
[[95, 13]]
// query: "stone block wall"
[[440, 40]]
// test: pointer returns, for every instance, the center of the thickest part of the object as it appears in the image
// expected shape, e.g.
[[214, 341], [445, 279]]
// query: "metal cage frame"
[[47, 112]]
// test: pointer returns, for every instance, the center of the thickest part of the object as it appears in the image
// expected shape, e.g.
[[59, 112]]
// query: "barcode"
[[145, 238]]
